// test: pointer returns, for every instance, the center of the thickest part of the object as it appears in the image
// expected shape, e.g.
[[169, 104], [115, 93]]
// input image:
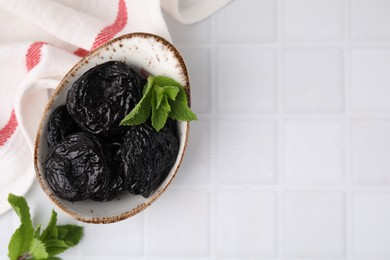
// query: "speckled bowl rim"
[[58, 90]]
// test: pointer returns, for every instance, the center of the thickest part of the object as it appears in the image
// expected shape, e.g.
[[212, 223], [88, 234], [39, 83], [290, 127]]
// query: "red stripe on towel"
[[33, 55], [7, 131]]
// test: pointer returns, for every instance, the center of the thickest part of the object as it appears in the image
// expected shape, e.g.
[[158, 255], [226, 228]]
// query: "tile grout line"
[[280, 127], [213, 147], [293, 45], [304, 116], [347, 107]]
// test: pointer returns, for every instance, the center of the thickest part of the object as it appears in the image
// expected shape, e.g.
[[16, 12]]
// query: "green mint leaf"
[[49, 231], [163, 97], [68, 236], [165, 81], [159, 95], [141, 112], [16, 244], [27, 243], [72, 235], [160, 116], [171, 92], [22, 238], [180, 110], [56, 246], [37, 231], [38, 249], [62, 232], [179, 106]]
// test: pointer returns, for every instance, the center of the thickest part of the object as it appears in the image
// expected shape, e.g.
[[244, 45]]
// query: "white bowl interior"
[[143, 52]]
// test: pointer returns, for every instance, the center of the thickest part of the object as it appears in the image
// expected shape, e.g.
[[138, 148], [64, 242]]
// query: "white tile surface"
[[6, 227], [257, 25], [179, 224], [290, 157], [314, 224], [313, 81], [246, 81], [370, 80], [371, 225], [370, 20], [196, 167], [246, 224], [246, 151], [198, 61], [314, 152], [313, 20], [130, 243], [370, 144]]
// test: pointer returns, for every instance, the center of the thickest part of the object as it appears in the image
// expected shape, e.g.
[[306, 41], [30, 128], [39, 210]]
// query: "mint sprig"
[[28, 243], [162, 98]]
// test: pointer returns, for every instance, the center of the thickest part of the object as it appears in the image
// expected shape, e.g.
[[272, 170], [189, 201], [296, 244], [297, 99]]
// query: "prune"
[[148, 156], [76, 168], [60, 125], [104, 95], [115, 187], [112, 143]]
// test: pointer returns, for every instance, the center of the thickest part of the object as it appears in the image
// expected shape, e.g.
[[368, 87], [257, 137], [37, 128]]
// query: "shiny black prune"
[[76, 168], [104, 95], [148, 156], [115, 187], [112, 144], [60, 125]]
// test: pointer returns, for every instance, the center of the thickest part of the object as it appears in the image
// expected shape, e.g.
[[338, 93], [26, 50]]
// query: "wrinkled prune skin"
[[60, 125], [148, 156], [112, 144], [114, 188], [76, 168], [104, 95]]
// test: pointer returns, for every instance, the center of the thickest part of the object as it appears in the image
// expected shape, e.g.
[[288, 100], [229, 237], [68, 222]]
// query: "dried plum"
[[115, 187], [76, 168], [148, 156], [112, 144], [90, 155], [60, 125], [104, 95]]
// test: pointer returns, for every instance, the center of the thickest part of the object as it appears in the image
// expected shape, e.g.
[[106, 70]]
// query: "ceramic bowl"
[[146, 53]]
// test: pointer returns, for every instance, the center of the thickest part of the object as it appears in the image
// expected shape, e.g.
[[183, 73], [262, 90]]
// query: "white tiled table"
[[291, 156]]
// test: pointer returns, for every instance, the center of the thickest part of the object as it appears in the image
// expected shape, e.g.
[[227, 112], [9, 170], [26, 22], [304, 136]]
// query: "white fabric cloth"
[[40, 40]]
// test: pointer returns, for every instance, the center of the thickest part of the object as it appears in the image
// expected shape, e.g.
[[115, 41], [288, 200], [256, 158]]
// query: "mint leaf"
[[27, 243], [163, 97], [160, 115], [179, 106], [180, 110], [165, 81], [62, 232], [159, 95], [68, 236], [38, 249], [49, 230], [141, 112], [56, 246], [171, 91], [73, 233], [22, 238], [37, 231]]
